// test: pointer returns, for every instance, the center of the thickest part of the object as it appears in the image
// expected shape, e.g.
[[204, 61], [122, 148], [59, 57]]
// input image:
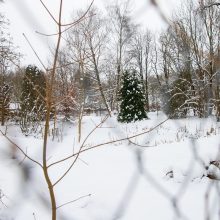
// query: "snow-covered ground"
[[158, 175]]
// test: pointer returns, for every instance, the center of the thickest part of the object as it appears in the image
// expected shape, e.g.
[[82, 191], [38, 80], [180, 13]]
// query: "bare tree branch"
[[80, 150], [48, 11], [75, 200], [105, 143], [34, 51], [81, 17], [21, 150]]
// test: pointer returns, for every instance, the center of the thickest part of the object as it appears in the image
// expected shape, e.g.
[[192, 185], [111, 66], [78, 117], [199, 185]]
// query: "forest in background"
[[178, 68], [176, 71]]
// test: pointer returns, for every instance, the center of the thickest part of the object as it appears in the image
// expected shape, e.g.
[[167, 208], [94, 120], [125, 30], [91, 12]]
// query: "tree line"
[[176, 71]]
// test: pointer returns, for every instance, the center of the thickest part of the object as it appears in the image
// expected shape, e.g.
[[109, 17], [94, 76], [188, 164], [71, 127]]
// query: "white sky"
[[28, 16]]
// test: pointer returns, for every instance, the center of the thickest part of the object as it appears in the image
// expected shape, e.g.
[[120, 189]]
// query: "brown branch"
[[80, 150], [106, 143], [66, 29], [34, 51], [48, 11], [47, 120], [123, 139], [81, 17], [20, 163], [21, 150], [83, 144], [75, 200]]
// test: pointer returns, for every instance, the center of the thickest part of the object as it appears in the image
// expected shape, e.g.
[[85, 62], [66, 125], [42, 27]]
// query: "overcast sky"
[[28, 16]]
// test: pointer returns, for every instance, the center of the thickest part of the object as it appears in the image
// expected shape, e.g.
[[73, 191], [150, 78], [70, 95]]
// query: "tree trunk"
[[99, 82]]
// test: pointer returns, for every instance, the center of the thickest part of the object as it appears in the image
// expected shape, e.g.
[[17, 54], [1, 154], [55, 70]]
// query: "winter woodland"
[[121, 123]]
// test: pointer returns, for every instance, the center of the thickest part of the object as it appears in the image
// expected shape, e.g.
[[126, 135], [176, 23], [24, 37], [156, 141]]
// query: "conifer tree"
[[4, 102], [131, 98], [32, 99]]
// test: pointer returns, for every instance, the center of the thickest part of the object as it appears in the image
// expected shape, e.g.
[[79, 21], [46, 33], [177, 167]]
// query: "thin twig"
[[81, 17], [106, 143], [48, 11], [80, 150], [75, 200], [34, 51], [66, 29], [22, 151], [123, 139]]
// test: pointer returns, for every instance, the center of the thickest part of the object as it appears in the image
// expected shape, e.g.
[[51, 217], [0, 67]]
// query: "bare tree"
[[121, 33], [62, 27], [9, 59], [140, 49], [76, 44], [95, 35], [210, 18]]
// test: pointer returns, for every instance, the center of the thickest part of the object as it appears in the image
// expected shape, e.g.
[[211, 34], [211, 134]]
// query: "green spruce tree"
[[4, 102], [33, 95], [132, 98]]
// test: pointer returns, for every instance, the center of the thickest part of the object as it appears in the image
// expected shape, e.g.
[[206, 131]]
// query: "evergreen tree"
[[4, 102], [32, 99], [132, 98]]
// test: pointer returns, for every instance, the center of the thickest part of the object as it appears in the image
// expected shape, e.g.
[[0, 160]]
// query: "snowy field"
[[161, 174]]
